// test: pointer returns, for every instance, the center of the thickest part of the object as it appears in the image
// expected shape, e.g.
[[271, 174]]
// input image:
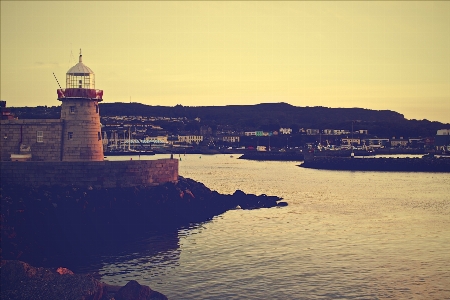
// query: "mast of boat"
[[320, 140], [352, 155], [129, 138]]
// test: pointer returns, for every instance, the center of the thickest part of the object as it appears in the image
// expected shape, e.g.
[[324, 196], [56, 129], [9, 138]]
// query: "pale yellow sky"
[[377, 55]]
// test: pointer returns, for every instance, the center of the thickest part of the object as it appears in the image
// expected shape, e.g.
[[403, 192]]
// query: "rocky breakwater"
[[379, 164], [272, 156], [51, 224], [20, 280]]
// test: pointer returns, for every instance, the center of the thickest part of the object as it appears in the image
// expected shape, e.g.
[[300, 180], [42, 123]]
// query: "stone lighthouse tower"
[[81, 133]]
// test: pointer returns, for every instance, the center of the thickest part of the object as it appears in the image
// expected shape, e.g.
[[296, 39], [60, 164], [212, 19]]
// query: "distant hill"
[[267, 116], [258, 114]]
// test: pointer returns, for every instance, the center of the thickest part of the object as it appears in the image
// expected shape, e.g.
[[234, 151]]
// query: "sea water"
[[344, 235]]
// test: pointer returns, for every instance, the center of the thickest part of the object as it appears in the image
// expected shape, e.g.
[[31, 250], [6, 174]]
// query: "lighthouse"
[[81, 138], [69, 151]]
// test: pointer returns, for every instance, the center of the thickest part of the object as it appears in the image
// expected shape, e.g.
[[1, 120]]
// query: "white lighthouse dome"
[[80, 68]]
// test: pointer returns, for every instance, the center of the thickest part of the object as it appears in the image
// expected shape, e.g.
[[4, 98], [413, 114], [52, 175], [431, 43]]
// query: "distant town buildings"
[[190, 139], [121, 128]]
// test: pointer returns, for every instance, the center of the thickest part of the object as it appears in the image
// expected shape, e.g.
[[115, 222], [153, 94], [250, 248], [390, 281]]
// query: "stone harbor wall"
[[96, 174], [42, 136]]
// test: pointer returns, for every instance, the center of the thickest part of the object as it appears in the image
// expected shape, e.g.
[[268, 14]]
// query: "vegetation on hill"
[[38, 112]]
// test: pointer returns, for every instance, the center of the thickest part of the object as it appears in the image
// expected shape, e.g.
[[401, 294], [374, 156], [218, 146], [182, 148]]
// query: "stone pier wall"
[[47, 147], [101, 174]]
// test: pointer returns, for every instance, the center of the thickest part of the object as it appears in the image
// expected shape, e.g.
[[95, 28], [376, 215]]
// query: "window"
[[40, 136], [96, 108], [69, 135], [72, 109], [99, 136]]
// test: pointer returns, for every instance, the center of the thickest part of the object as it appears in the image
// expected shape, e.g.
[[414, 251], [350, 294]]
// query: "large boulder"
[[19, 280], [134, 291], [251, 201]]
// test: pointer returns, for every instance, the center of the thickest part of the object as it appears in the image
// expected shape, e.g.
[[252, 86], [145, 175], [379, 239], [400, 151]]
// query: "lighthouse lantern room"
[[80, 76], [80, 83]]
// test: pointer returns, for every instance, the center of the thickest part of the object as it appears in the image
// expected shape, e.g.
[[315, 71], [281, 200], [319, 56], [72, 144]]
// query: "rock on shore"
[[20, 281]]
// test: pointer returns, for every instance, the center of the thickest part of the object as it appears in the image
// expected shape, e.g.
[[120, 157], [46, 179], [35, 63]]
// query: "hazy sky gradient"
[[377, 55]]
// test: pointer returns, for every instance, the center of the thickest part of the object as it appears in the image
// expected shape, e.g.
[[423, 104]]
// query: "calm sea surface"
[[344, 235]]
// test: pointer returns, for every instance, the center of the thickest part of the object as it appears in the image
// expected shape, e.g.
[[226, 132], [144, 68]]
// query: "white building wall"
[[190, 138], [443, 132], [285, 130]]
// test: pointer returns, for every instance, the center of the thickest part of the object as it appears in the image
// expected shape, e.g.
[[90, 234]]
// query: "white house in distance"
[[350, 141], [443, 132], [231, 138], [377, 143], [399, 142], [312, 131], [442, 139], [190, 139], [285, 130]]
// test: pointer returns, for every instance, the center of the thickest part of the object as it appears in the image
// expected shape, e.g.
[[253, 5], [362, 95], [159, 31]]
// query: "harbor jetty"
[[272, 156], [426, 164]]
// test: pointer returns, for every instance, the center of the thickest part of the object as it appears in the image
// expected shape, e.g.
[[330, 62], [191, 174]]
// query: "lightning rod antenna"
[[71, 58], [57, 81]]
